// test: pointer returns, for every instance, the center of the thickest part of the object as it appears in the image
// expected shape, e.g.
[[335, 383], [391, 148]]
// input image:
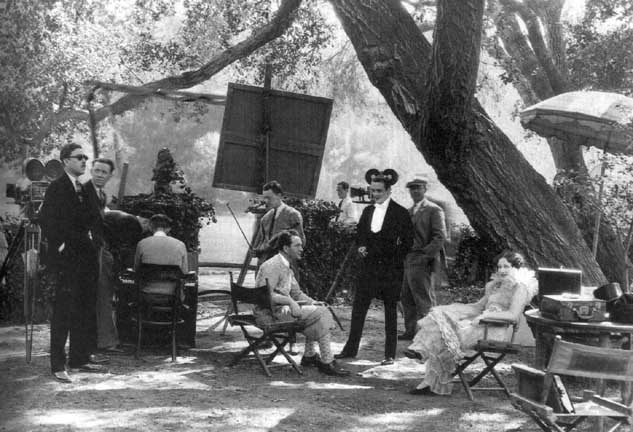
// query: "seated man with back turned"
[[286, 296], [161, 249]]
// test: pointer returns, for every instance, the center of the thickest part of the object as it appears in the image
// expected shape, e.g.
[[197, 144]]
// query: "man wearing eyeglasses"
[[68, 220]]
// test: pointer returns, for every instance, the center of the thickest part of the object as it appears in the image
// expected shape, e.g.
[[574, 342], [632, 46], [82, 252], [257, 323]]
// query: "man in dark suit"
[[384, 236], [418, 293], [68, 221], [107, 337], [279, 217]]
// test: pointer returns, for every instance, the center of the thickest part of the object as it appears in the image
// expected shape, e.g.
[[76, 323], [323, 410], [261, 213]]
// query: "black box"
[[552, 281]]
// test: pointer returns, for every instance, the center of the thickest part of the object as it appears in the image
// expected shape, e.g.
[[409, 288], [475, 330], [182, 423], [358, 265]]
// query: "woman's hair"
[[281, 239], [514, 258]]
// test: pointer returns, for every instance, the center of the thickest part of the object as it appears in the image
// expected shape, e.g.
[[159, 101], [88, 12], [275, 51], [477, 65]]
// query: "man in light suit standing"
[[279, 217], [418, 294]]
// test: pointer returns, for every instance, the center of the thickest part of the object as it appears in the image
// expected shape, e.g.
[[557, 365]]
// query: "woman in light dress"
[[447, 331]]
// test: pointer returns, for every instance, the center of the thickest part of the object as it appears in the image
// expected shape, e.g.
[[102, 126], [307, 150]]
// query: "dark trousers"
[[418, 295], [74, 315], [360, 306]]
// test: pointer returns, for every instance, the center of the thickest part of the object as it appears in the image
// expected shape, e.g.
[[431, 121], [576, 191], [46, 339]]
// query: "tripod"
[[26, 240]]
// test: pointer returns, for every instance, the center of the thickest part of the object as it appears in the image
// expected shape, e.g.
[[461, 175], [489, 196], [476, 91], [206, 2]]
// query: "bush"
[[187, 210], [327, 245], [473, 263]]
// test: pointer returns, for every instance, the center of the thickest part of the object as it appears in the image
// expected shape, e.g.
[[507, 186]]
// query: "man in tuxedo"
[[418, 293], [384, 236], [70, 222], [279, 217], [347, 216], [107, 337]]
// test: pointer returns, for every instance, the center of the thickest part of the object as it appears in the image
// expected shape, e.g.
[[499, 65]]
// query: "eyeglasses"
[[80, 157]]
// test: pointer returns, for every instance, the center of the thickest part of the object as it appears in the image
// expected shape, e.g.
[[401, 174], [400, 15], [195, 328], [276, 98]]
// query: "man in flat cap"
[[418, 295]]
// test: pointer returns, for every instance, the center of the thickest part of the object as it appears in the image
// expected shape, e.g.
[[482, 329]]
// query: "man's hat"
[[417, 182]]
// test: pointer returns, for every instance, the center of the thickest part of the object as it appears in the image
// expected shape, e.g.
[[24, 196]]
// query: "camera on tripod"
[[358, 195], [40, 176]]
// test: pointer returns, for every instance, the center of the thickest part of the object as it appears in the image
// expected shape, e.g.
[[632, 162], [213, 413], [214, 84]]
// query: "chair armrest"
[[613, 405], [530, 382], [497, 322]]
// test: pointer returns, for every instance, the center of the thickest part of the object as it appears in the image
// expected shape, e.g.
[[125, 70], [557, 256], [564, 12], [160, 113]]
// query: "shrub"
[[327, 245]]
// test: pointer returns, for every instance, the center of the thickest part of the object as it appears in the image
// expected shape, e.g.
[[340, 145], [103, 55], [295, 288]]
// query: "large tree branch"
[[503, 197], [276, 27], [533, 25], [453, 73]]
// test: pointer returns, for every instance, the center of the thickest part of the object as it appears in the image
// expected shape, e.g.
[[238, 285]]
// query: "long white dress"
[[447, 331]]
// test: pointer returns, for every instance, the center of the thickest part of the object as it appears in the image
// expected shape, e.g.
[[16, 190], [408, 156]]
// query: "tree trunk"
[[503, 197]]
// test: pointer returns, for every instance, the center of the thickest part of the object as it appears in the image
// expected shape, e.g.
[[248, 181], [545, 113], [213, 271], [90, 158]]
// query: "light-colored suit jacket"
[[280, 278], [161, 249], [287, 218], [429, 233]]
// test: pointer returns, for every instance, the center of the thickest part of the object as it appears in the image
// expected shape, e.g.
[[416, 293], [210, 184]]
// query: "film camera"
[[40, 176], [358, 195]]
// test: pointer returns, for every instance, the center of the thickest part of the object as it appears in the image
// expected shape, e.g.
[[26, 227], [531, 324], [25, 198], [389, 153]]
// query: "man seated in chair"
[[287, 297], [161, 249]]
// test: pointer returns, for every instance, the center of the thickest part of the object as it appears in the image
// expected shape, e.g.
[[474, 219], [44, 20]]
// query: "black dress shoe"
[[311, 360], [406, 336], [412, 354], [388, 361], [344, 355], [426, 391], [89, 367], [98, 359], [333, 369]]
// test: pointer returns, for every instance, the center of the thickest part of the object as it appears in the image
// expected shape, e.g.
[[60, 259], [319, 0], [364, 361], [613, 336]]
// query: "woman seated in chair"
[[448, 330], [287, 296]]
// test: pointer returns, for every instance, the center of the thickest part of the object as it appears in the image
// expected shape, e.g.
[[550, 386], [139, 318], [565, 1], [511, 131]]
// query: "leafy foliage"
[[51, 48], [187, 210], [473, 260], [325, 251]]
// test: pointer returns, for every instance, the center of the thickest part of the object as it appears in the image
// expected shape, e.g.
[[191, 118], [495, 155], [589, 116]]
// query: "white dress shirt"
[[348, 211], [379, 215]]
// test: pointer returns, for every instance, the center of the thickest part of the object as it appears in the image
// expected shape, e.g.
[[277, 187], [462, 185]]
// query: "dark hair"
[[106, 161], [67, 150], [343, 185], [281, 239], [274, 186], [160, 221], [145, 214], [515, 259]]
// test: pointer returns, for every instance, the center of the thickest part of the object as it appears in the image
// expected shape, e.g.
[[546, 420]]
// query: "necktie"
[[102, 198], [79, 190], [272, 224]]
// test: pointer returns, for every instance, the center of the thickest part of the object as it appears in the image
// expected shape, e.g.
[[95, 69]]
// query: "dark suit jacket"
[[381, 270], [93, 199], [67, 220]]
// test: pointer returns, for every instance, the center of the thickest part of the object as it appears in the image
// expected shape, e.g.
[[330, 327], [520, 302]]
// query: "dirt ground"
[[199, 392]]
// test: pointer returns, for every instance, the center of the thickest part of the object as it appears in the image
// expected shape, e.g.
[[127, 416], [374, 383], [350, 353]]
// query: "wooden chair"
[[159, 310], [491, 352], [543, 396], [279, 333]]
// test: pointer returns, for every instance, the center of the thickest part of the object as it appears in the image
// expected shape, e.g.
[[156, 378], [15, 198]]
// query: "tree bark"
[[503, 197]]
